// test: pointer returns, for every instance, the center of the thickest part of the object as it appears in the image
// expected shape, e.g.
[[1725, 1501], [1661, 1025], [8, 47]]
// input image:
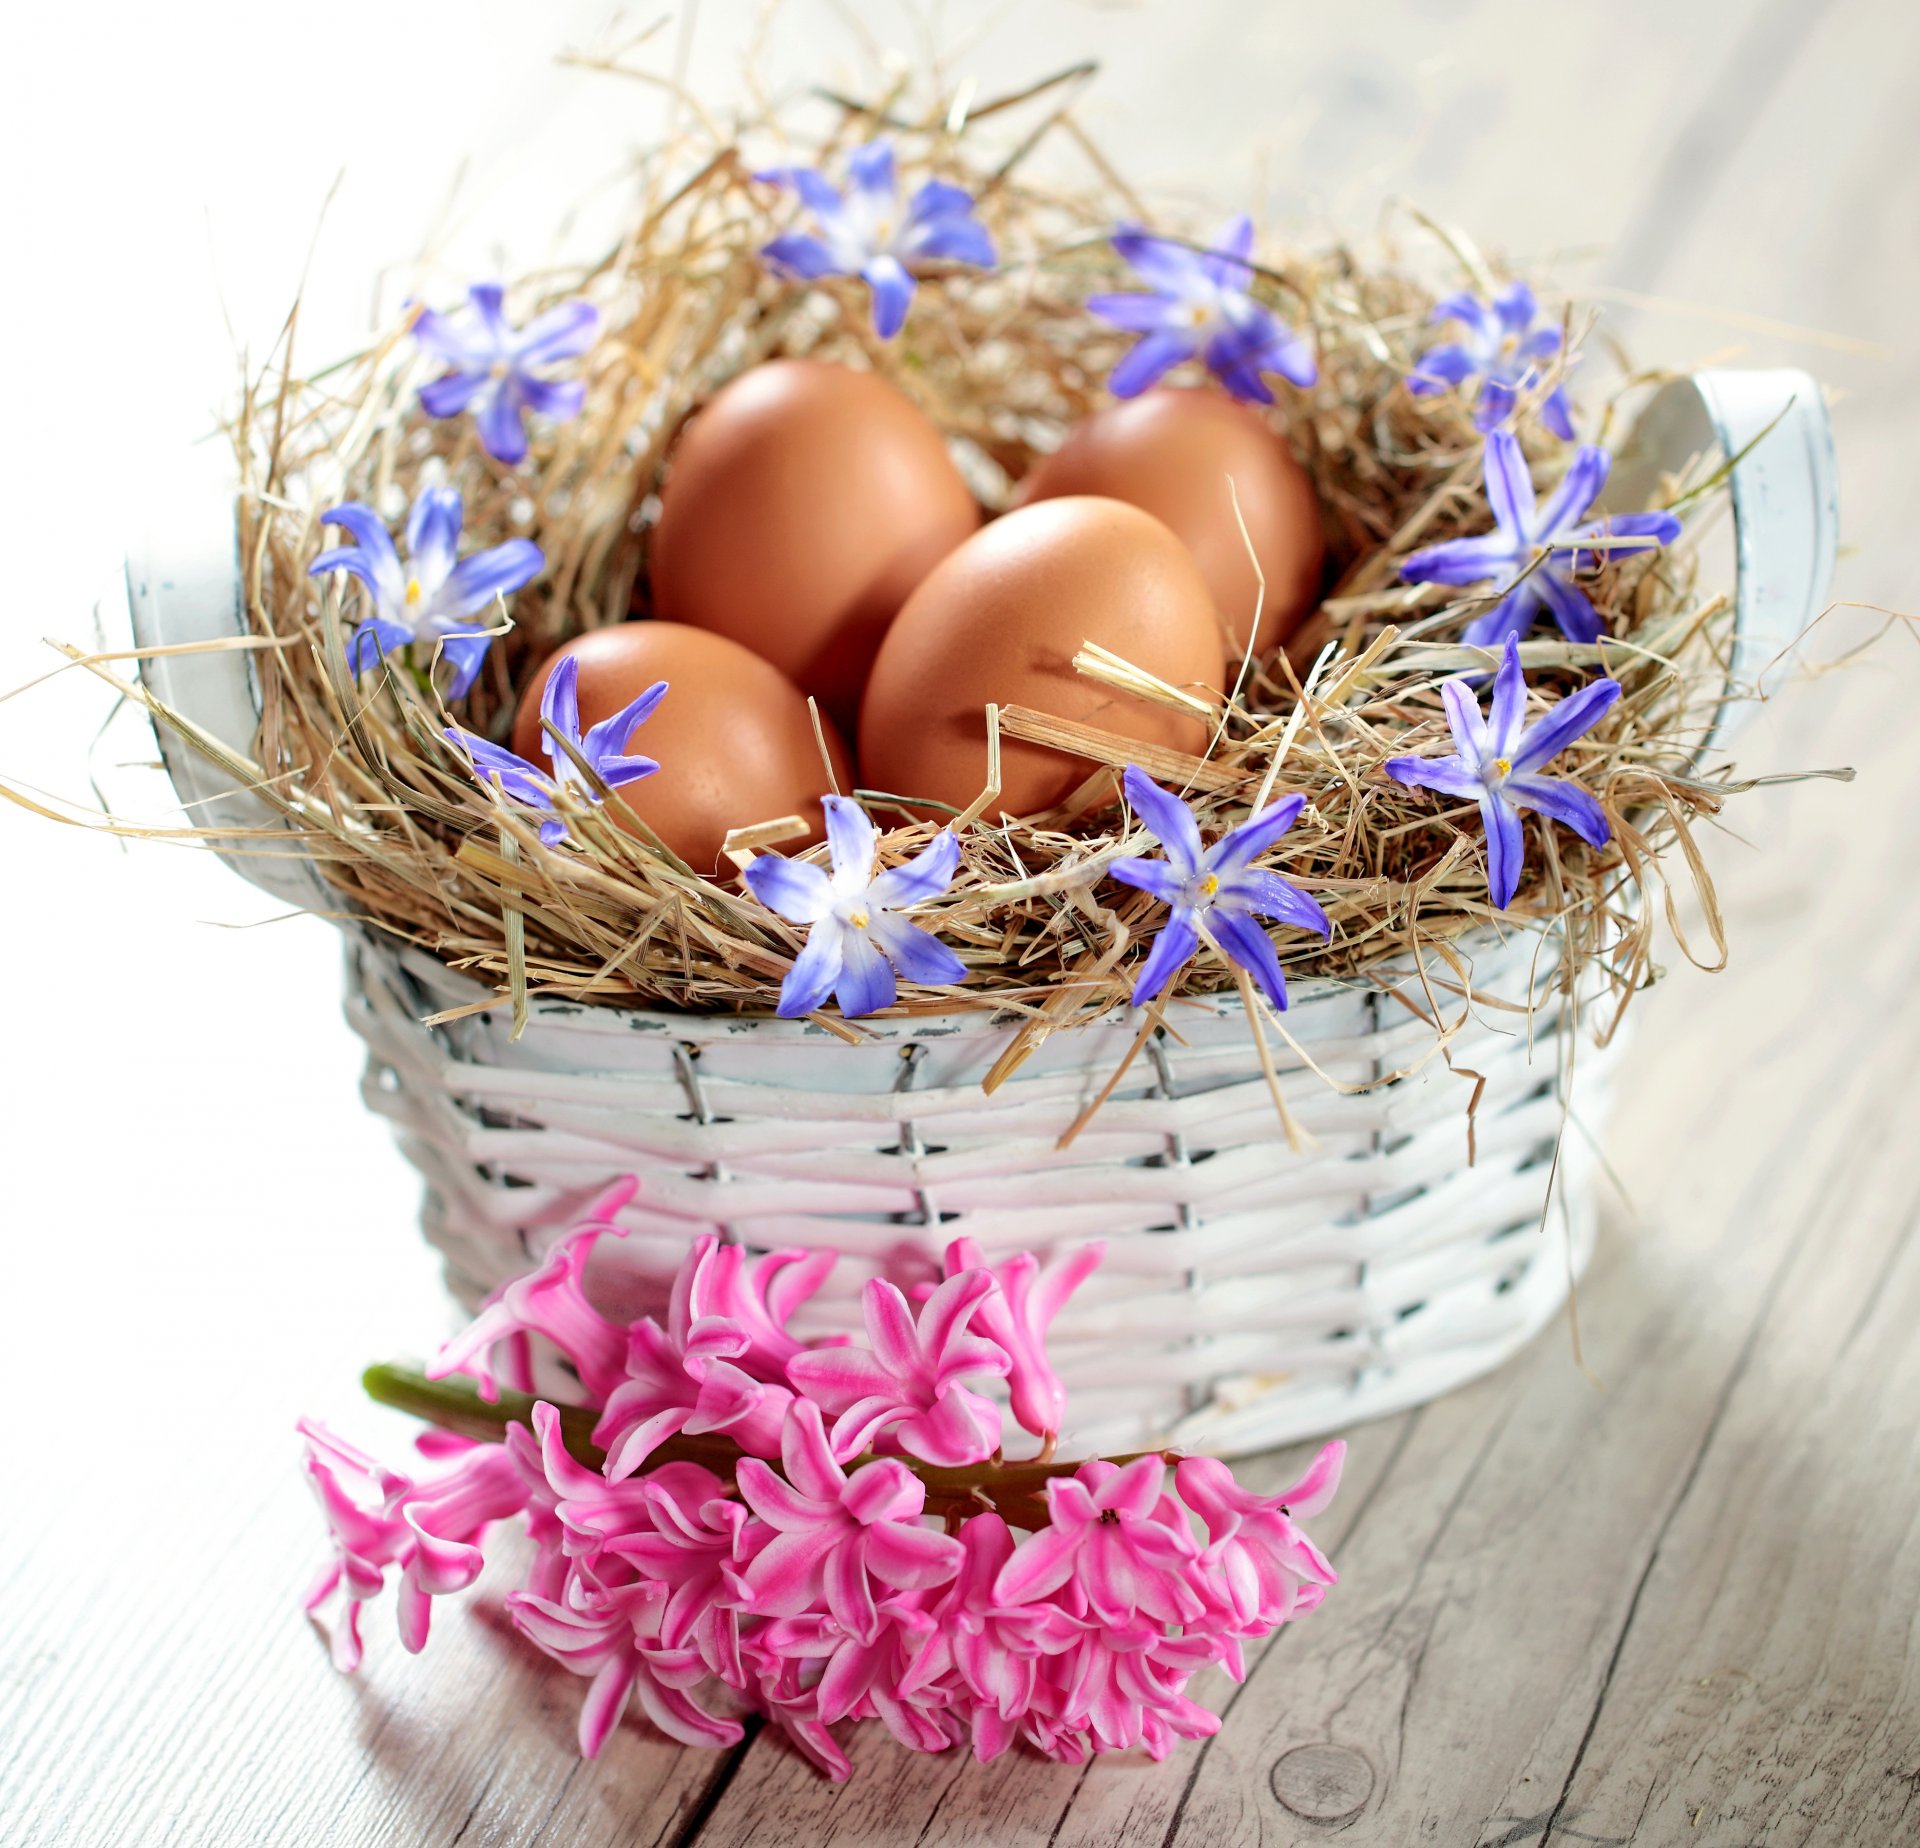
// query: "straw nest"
[[1003, 362]]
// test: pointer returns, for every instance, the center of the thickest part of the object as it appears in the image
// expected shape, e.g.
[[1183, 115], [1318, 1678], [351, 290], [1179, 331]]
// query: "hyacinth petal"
[[912, 1558], [1135, 311], [1172, 950], [892, 288], [799, 891], [1506, 849], [849, 1591], [837, 1378], [606, 1701], [1571, 608], [776, 1501], [1314, 1491], [925, 876], [1579, 488], [1449, 775], [1170, 820], [1464, 721], [806, 1458], [959, 1429], [1135, 1488], [915, 954], [1149, 360], [1564, 802], [680, 1718], [1572, 717], [1507, 714], [476, 581], [1249, 946], [1240, 846], [1163, 880], [1460, 561], [1041, 1564], [816, 970], [1509, 486], [866, 983]]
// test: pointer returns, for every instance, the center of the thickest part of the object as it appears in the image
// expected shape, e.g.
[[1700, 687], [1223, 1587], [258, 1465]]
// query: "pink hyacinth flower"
[[759, 1297], [1266, 1570], [380, 1520], [550, 1302], [1018, 1316], [611, 1633], [835, 1533], [693, 1538], [684, 1378], [863, 1678], [910, 1380], [1121, 1689], [1115, 1546]]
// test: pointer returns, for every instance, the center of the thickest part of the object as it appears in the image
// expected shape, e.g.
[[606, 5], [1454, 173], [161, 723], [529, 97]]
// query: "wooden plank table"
[[1669, 1596]]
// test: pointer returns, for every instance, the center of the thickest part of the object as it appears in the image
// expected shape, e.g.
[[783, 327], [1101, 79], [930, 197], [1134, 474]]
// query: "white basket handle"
[[184, 582], [1773, 427]]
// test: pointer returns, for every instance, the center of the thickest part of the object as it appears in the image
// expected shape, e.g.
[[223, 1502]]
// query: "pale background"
[[205, 1235]]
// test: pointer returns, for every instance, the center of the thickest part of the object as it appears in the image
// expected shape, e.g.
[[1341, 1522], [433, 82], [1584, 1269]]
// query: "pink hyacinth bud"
[[1260, 1568]]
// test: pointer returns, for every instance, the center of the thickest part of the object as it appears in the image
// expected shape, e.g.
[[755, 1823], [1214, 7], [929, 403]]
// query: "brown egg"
[[1000, 621], [802, 506], [733, 737], [1172, 452]]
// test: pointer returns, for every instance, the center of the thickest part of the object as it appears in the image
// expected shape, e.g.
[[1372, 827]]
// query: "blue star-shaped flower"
[[428, 602], [1534, 554], [493, 367], [603, 748], [1198, 303], [865, 233], [1496, 761], [1505, 345], [857, 939], [1217, 892]]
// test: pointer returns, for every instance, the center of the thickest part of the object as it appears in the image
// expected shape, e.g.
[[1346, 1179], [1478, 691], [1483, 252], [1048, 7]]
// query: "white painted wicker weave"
[[1251, 1294]]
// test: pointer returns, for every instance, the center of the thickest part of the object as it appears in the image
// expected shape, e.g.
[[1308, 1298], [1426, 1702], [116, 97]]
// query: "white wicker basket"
[[1251, 1295]]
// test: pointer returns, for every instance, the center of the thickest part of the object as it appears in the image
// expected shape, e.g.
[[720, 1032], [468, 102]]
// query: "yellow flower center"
[[414, 592], [858, 919], [1502, 769], [1210, 885]]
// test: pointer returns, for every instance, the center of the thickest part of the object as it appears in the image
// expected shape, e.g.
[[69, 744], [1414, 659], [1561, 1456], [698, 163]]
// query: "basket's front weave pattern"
[[1251, 1295]]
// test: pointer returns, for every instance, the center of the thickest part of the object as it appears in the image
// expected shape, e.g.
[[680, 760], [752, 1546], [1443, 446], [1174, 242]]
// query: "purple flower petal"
[[866, 983], [1556, 412], [1172, 950], [372, 641], [1252, 949], [851, 837], [560, 704], [370, 534], [802, 893], [918, 956], [1506, 849], [892, 294], [463, 650], [1579, 488], [1464, 721], [1515, 309], [489, 307], [563, 332], [557, 400], [1566, 803], [1449, 775], [451, 393], [870, 169], [938, 199], [1170, 820], [1136, 312], [1512, 615], [446, 340], [1572, 718], [925, 876], [1156, 876], [1242, 845], [815, 970], [1542, 343], [616, 772], [1165, 265], [817, 193], [1509, 488], [612, 736], [1579, 621], [801, 255], [1468, 309], [1461, 561], [1149, 360], [347, 558], [1225, 265], [1509, 703], [953, 238], [1260, 890], [502, 434], [474, 582], [433, 535], [1440, 369], [1494, 405]]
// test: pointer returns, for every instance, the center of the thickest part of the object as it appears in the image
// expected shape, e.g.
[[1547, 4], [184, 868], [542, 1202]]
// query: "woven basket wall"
[[1251, 1294]]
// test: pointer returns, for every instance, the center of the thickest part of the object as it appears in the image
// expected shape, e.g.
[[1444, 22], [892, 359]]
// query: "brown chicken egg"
[[733, 737], [1000, 621], [802, 506], [1171, 452]]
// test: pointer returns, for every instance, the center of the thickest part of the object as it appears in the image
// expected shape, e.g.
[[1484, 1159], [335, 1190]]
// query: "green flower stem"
[[1017, 1491]]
